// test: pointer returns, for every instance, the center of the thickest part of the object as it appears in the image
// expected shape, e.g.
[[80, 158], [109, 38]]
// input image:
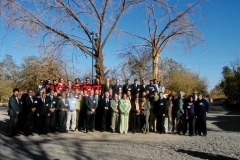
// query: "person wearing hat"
[[13, 112]]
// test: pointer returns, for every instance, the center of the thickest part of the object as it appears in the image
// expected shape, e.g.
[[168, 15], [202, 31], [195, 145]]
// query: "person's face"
[[107, 80], [77, 81], [107, 94], [135, 82], [182, 94], [144, 93], [110, 91], [116, 96], [92, 92], [117, 81], [80, 97], [16, 93], [124, 96], [30, 93], [120, 91], [143, 82], [52, 92], [144, 99], [151, 82], [128, 82], [137, 99], [55, 94], [41, 82], [87, 81], [161, 95], [170, 98], [128, 93], [55, 82], [69, 82], [44, 95], [85, 92], [71, 95], [96, 92], [61, 80], [49, 81], [200, 97]]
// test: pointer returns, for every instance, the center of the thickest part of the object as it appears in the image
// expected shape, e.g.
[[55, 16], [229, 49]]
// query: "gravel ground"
[[222, 142]]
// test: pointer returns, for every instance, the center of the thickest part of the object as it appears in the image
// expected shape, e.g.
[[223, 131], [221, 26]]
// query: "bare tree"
[[170, 27], [60, 24]]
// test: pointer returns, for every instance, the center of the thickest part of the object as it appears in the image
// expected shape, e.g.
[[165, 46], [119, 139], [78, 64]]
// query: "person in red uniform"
[[54, 85], [87, 86], [97, 86], [77, 85], [60, 86]]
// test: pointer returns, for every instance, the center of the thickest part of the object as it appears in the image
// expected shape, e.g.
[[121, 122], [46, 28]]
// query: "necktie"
[[17, 100]]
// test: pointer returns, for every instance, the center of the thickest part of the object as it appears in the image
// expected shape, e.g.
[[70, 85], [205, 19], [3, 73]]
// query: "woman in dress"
[[124, 107]]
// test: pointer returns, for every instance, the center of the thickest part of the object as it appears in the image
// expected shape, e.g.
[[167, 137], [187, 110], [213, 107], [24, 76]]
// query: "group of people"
[[106, 107]]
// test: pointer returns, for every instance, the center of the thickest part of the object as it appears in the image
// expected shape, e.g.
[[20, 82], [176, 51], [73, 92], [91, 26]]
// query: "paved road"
[[222, 142]]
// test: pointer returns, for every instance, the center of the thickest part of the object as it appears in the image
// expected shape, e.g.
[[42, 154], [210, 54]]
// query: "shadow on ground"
[[203, 155]]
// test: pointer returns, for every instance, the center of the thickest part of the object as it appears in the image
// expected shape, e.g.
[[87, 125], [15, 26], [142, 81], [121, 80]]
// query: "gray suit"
[[115, 116], [146, 113], [12, 112]]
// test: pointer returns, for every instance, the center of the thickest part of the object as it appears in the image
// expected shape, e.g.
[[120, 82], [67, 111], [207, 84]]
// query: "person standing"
[[170, 101], [124, 107], [159, 110], [13, 112], [90, 104], [106, 86], [51, 100], [62, 106], [190, 115], [114, 113], [71, 115], [30, 108], [127, 87], [146, 112], [116, 87], [135, 115], [135, 88], [202, 108], [43, 113], [180, 109], [105, 104]]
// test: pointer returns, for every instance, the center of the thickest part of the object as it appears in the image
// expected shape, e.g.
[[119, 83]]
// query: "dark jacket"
[[105, 88], [202, 106], [135, 89], [116, 87], [60, 105], [126, 88], [90, 104], [13, 105], [42, 108], [52, 101], [160, 107]]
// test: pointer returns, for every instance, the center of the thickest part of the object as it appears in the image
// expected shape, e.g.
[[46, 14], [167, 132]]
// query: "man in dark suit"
[[51, 100], [43, 113], [62, 106], [143, 87], [135, 88], [30, 108], [90, 103], [116, 87], [105, 104], [13, 112], [106, 86], [127, 87], [159, 110]]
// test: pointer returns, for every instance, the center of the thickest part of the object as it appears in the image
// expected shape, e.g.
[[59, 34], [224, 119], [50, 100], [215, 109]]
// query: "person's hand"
[[163, 115], [196, 116], [17, 112], [116, 111], [33, 109], [38, 115], [48, 114], [93, 110], [186, 117]]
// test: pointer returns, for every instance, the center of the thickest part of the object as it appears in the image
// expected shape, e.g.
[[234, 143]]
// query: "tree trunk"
[[100, 67], [155, 66]]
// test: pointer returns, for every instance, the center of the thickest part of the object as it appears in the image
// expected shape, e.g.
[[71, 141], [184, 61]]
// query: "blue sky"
[[219, 21]]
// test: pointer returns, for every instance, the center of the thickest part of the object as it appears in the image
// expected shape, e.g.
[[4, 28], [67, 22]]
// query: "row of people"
[[48, 113], [102, 88]]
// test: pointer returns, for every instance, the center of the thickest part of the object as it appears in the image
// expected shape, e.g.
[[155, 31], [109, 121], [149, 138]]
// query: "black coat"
[[105, 88], [43, 109], [126, 88], [105, 104], [116, 87], [135, 89], [160, 107]]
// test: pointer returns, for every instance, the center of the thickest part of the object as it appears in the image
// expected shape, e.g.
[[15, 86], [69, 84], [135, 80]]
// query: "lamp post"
[[93, 36]]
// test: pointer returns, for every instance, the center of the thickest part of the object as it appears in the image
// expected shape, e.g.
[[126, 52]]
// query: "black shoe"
[[86, 131]]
